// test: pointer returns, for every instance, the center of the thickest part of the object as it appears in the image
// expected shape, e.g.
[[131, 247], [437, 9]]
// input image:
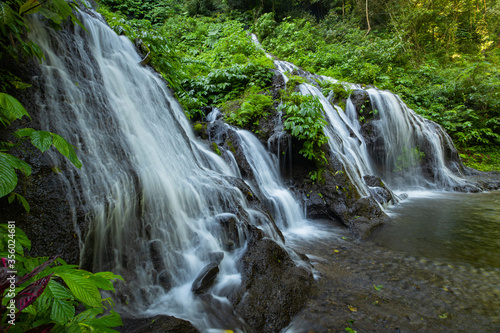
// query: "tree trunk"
[[367, 20]]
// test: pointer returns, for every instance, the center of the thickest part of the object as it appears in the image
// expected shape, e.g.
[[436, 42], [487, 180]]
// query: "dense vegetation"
[[441, 57]]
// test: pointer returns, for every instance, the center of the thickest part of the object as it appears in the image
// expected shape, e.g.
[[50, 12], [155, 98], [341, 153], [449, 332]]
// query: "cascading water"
[[344, 141], [409, 142], [155, 196], [281, 203], [417, 153]]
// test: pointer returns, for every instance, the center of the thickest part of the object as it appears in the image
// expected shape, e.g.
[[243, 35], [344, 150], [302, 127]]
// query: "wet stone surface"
[[372, 289]]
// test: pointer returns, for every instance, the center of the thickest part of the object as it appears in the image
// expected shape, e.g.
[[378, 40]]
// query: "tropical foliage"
[[303, 117], [13, 27], [44, 293]]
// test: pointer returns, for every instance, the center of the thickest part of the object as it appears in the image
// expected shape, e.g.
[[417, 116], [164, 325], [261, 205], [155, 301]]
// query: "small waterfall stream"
[[280, 201], [410, 141], [344, 140]]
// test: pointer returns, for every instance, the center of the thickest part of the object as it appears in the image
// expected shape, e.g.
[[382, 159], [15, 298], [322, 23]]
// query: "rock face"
[[51, 224], [274, 288]]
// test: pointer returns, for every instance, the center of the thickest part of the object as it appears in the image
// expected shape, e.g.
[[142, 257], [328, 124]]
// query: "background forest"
[[441, 57]]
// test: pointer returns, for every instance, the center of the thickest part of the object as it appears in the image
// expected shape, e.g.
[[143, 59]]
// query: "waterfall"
[[279, 200], [155, 196], [418, 153], [344, 140]]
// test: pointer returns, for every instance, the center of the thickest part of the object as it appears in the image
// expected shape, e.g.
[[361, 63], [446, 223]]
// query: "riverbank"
[[367, 288]]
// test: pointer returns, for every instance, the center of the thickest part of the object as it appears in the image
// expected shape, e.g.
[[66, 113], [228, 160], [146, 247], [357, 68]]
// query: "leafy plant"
[[43, 293], [13, 23], [339, 90], [13, 27], [303, 118], [408, 158], [249, 109], [10, 110]]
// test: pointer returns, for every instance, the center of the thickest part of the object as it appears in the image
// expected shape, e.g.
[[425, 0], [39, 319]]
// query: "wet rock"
[[155, 251], [231, 230], [216, 257], [205, 279], [277, 85], [362, 227], [274, 288], [200, 129], [403, 196], [222, 314], [373, 181], [157, 324], [379, 191], [165, 280], [361, 101]]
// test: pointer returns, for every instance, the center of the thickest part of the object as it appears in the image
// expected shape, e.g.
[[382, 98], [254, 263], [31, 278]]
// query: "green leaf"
[[42, 140], [23, 132], [17, 163], [8, 177], [20, 199], [20, 85], [29, 7], [59, 291], [88, 314], [7, 16], [109, 276], [54, 17], [62, 311], [83, 289], [66, 150], [11, 108], [111, 320]]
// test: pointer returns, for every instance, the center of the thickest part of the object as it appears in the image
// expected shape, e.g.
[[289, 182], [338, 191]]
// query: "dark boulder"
[[379, 191], [274, 287], [205, 279], [157, 324]]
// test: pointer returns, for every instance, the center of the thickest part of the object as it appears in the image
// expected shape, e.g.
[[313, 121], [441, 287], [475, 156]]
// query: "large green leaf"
[[66, 150], [6, 17], [11, 108], [29, 7], [17, 164], [62, 311], [20, 133], [8, 177], [83, 289], [111, 320], [42, 140]]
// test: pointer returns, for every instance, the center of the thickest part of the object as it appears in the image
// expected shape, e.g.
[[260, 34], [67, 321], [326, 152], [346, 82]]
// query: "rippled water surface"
[[457, 227]]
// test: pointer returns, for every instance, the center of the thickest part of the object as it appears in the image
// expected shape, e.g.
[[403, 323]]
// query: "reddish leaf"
[[41, 329], [4, 282], [29, 294], [36, 270], [4, 262]]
